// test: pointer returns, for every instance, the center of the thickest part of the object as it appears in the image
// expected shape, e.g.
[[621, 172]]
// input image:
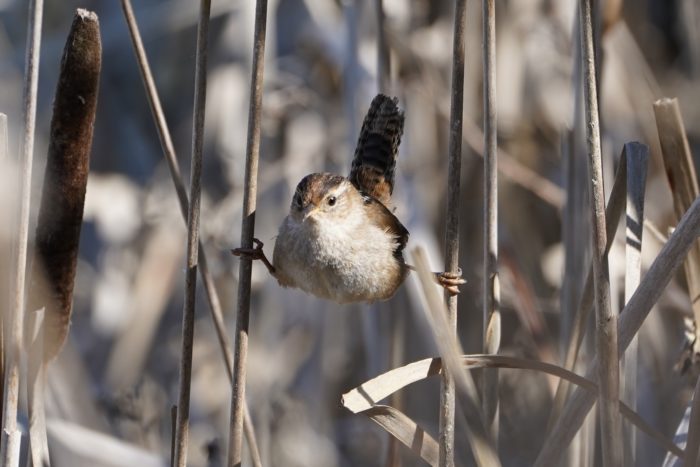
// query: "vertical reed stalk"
[[200, 91], [606, 321], [632, 316], [247, 230], [4, 291], [383, 55], [492, 314], [10, 436], [637, 158], [176, 176], [613, 212], [447, 393]]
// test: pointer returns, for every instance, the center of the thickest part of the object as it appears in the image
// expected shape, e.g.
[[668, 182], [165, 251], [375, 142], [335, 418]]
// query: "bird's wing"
[[380, 216]]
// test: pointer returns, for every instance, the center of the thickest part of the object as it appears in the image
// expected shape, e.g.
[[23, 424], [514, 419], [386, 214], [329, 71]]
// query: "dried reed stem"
[[447, 390], [4, 290], [450, 351], [383, 55], [637, 159], [613, 212], [632, 316], [247, 230], [200, 91], [176, 176], [680, 171], [492, 314], [693, 444], [10, 436], [606, 321]]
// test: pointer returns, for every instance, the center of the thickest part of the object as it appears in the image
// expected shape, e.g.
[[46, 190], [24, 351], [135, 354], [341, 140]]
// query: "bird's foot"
[[450, 280], [255, 253]]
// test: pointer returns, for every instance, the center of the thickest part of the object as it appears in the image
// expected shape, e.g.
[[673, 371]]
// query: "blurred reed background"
[[117, 375]]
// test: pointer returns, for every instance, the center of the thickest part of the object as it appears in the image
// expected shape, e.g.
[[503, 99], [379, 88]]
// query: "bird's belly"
[[337, 266]]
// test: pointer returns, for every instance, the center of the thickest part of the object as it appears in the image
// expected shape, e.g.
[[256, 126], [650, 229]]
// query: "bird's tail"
[[373, 165]]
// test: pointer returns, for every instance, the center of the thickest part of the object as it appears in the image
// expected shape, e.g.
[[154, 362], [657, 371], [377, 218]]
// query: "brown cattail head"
[[65, 180]]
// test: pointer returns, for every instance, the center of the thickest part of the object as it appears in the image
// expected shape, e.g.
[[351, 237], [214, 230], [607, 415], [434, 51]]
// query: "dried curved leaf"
[[363, 397], [405, 430]]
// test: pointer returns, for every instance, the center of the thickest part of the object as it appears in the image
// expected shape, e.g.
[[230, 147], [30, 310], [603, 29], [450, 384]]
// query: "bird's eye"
[[331, 201]]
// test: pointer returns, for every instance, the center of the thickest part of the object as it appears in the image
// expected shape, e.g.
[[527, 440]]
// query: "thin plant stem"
[[10, 436], [4, 292], [450, 350], [176, 176], [632, 316], [447, 388], [247, 231], [637, 159], [383, 56], [200, 91], [606, 321], [492, 314], [613, 212]]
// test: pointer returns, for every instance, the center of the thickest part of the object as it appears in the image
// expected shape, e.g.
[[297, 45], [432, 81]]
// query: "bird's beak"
[[308, 211]]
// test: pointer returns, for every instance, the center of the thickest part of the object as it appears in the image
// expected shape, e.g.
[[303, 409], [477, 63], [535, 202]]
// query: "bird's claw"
[[255, 253], [450, 280]]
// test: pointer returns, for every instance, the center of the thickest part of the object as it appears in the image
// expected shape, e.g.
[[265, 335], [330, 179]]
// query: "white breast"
[[344, 261]]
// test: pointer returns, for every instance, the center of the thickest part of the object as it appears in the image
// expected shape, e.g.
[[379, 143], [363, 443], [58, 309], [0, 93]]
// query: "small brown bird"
[[340, 241]]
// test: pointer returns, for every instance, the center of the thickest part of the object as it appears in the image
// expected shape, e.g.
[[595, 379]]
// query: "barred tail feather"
[[373, 165]]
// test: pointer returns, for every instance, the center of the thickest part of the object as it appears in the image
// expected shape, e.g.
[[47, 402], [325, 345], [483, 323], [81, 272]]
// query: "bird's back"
[[372, 170]]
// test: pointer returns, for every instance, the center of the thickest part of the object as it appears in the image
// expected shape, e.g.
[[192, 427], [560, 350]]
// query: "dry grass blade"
[[693, 444], [61, 213], [680, 171], [448, 345], [10, 435], [176, 175], [606, 321], [637, 161], [405, 430], [365, 396], [632, 316], [247, 230], [454, 163], [200, 83], [492, 292]]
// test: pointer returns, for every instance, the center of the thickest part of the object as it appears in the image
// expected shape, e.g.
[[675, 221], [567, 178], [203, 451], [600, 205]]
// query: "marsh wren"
[[340, 240]]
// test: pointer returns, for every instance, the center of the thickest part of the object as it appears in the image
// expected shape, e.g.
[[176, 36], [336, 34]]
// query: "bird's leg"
[[449, 280], [255, 253]]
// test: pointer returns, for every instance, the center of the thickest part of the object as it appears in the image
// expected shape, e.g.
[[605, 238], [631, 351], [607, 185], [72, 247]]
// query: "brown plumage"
[[374, 162]]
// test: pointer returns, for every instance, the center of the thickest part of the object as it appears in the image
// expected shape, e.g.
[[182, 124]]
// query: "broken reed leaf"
[[405, 430], [65, 180], [365, 396], [693, 441], [682, 178]]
